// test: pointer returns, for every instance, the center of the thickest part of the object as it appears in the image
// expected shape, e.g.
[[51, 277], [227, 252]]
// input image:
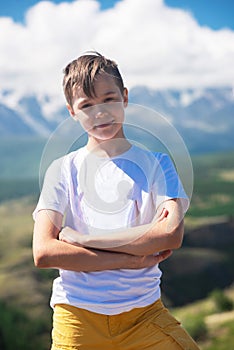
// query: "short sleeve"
[[54, 194], [167, 184]]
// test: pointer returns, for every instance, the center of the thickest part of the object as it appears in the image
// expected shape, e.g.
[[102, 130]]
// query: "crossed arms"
[[162, 236]]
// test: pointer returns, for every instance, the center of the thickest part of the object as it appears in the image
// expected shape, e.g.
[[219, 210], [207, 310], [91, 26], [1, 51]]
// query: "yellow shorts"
[[150, 327]]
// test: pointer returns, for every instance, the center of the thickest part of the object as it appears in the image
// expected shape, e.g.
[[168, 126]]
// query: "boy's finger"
[[164, 255]]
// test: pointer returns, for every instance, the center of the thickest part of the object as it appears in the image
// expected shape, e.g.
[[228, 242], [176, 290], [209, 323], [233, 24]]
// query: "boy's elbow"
[[40, 259], [177, 236]]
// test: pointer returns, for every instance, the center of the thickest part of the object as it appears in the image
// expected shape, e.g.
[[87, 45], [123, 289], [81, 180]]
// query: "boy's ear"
[[125, 97], [70, 109]]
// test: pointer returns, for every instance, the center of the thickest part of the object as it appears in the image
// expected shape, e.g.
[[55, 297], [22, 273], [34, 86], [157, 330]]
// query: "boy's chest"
[[111, 194], [112, 183]]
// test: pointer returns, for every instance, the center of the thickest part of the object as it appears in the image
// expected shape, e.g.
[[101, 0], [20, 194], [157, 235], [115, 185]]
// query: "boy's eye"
[[109, 99], [87, 105]]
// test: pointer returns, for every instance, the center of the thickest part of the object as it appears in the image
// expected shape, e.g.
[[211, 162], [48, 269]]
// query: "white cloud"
[[154, 45]]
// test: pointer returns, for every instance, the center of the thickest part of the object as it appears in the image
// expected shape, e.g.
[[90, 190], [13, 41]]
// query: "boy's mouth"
[[104, 125]]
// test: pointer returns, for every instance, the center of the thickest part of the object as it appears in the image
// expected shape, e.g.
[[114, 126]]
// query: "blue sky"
[[215, 14]]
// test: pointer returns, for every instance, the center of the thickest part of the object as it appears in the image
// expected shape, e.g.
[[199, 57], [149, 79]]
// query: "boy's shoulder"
[[148, 154], [67, 160]]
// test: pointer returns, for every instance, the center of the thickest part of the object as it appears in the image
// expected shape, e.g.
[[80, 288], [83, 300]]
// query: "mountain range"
[[203, 117]]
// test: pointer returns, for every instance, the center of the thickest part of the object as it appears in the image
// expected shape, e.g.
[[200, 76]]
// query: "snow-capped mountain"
[[26, 118], [206, 110], [203, 117]]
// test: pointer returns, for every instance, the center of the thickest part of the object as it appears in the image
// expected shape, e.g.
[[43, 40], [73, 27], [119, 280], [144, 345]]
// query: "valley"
[[202, 265]]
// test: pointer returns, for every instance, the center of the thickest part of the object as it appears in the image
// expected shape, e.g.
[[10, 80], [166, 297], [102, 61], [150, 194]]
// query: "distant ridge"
[[203, 117]]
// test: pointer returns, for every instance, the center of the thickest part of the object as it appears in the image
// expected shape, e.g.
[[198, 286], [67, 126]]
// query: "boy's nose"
[[100, 114], [99, 111]]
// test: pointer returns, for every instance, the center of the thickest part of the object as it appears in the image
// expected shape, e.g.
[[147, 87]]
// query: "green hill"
[[211, 320], [25, 290], [213, 193], [204, 263]]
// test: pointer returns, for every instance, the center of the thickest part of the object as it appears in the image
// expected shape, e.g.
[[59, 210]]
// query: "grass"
[[24, 290], [213, 195], [16, 265], [198, 318], [221, 338], [213, 185]]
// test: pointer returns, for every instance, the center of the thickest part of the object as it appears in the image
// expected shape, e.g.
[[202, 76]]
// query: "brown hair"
[[83, 71]]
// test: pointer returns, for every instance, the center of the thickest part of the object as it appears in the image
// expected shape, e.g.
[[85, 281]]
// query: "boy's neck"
[[108, 148]]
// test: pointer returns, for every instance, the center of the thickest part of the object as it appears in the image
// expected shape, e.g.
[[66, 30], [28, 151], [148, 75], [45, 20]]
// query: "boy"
[[122, 208]]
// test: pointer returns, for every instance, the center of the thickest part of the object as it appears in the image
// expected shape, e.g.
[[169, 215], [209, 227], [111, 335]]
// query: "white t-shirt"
[[100, 197]]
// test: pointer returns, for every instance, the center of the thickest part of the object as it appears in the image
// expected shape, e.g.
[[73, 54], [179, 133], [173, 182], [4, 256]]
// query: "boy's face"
[[101, 116]]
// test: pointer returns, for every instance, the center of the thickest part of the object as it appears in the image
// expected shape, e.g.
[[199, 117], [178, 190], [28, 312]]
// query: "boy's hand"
[[62, 237], [151, 260]]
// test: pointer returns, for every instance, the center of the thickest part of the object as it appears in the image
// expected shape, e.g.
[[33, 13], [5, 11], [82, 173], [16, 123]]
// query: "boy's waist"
[[108, 292]]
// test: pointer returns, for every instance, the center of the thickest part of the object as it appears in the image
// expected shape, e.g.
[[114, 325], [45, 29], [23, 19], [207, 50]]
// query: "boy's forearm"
[[49, 252], [73, 258], [70, 257], [156, 239], [165, 233]]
